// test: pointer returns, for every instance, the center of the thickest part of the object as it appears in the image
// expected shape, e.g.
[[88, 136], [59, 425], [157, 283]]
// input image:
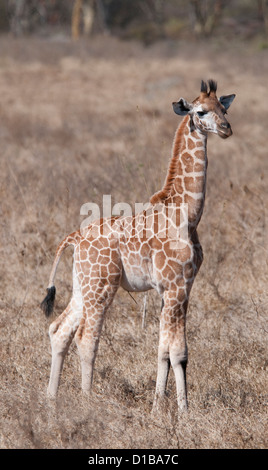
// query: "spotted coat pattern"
[[137, 254]]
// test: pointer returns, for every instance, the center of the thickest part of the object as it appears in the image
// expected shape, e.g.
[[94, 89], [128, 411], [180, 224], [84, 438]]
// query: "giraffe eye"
[[201, 113]]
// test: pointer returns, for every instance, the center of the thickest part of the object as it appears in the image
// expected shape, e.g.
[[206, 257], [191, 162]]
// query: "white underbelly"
[[133, 282]]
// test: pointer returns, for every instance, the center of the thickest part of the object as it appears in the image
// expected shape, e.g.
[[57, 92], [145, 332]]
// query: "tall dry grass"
[[82, 120]]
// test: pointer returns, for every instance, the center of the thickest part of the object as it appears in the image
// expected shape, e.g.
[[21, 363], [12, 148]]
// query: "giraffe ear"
[[182, 107], [227, 100]]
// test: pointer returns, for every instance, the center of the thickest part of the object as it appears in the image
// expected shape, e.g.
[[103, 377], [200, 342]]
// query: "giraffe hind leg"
[[59, 346], [61, 333], [88, 334]]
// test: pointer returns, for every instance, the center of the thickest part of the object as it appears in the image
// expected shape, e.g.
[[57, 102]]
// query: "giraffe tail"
[[47, 304]]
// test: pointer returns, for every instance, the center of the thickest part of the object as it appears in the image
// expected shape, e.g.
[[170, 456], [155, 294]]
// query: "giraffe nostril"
[[225, 125]]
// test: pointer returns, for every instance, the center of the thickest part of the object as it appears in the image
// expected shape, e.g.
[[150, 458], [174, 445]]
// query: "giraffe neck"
[[186, 178]]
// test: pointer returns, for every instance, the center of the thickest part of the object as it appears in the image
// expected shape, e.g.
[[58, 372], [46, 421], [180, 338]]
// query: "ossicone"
[[210, 87], [204, 87]]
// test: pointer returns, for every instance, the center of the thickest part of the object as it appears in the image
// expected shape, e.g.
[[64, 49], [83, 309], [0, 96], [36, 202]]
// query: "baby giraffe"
[[143, 252]]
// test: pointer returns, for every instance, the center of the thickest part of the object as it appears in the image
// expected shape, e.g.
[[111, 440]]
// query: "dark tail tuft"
[[48, 302]]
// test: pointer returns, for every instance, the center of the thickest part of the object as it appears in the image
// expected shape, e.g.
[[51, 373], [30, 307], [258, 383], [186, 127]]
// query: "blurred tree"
[[17, 16], [88, 15], [263, 13], [26, 16], [119, 13], [101, 15], [145, 20], [4, 20], [153, 10], [206, 15], [84, 13], [76, 17]]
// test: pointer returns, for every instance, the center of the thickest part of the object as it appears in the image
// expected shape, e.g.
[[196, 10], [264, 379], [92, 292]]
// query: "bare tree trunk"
[[263, 12], [207, 14], [88, 17], [153, 10], [16, 13], [76, 15], [101, 16]]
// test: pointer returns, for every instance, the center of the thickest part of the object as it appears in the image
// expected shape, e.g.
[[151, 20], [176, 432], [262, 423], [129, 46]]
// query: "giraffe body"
[[139, 253]]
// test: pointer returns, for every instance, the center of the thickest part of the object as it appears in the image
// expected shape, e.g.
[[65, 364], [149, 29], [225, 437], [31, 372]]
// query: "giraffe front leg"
[[178, 359], [179, 356], [163, 367], [172, 347]]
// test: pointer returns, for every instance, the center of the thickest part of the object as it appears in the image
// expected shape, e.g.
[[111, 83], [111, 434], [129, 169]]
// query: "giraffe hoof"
[[160, 405], [86, 393], [51, 395]]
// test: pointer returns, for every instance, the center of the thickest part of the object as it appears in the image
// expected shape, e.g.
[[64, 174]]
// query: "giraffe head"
[[207, 112]]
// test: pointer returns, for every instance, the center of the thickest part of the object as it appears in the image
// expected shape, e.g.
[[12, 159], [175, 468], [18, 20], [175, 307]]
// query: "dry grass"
[[79, 121]]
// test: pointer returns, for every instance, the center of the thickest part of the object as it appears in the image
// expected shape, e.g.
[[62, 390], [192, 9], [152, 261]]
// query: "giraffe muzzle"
[[225, 130]]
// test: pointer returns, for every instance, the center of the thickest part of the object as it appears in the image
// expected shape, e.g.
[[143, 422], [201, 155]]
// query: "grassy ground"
[[81, 120]]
